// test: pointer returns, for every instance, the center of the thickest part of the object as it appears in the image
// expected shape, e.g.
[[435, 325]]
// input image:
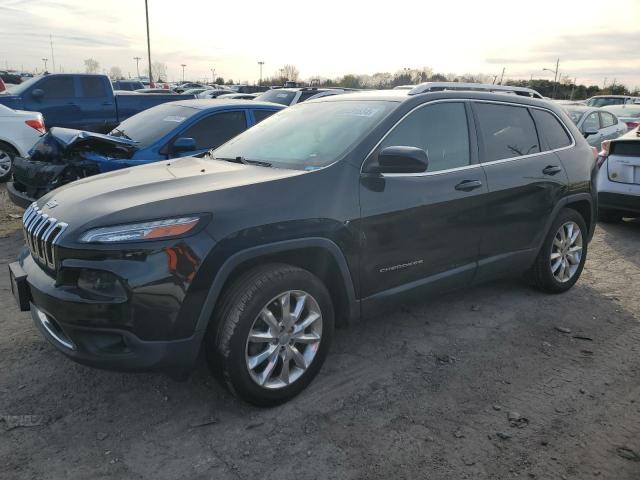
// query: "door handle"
[[551, 169], [468, 185]]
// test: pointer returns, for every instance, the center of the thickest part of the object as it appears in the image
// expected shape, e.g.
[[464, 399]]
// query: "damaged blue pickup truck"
[[170, 130]]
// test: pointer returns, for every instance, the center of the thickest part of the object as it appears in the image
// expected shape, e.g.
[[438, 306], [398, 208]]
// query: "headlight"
[[133, 232]]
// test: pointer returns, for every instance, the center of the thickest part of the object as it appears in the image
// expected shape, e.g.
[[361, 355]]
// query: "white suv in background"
[[619, 178], [19, 131]]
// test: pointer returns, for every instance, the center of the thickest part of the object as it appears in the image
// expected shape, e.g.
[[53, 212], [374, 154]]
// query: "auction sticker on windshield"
[[174, 118], [360, 112]]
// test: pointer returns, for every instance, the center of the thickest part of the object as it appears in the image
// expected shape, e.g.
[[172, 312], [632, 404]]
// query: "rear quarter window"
[[506, 131], [552, 134]]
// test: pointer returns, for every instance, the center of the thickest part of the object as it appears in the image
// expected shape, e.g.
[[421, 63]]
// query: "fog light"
[[102, 284]]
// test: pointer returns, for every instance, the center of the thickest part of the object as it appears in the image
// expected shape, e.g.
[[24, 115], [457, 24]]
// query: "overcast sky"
[[594, 39]]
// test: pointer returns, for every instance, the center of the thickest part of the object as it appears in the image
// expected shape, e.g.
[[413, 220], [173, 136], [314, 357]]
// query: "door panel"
[[58, 105], [96, 104], [414, 227]]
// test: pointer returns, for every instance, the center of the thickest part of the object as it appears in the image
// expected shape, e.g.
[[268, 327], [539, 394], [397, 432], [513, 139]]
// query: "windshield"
[[150, 125], [604, 101], [283, 97], [575, 114], [307, 136], [24, 86]]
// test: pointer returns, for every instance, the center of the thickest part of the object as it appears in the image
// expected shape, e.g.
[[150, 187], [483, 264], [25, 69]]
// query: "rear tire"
[[563, 254], [254, 342], [7, 154], [609, 216]]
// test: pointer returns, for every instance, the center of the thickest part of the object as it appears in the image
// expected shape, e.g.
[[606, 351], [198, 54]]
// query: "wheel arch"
[[320, 256]]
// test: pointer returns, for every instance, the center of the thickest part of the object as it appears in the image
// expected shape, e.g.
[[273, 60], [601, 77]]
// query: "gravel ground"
[[425, 392]]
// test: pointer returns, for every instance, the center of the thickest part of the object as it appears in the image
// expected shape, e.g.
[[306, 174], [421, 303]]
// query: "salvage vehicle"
[[327, 211], [596, 124], [80, 101], [19, 131], [619, 178], [170, 130]]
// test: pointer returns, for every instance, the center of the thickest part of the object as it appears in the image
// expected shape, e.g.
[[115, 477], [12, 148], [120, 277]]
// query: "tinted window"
[[152, 124], [57, 87], [93, 87], [506, 131], [607, 120], [591, 122], [260, 115], [550, 130], [440, 130], [216, 129], [306, 95]]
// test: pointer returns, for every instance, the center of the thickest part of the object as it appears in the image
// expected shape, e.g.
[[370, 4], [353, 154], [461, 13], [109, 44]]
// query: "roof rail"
[[478, 87]]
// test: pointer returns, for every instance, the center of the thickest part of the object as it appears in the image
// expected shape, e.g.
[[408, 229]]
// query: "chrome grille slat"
[[41, 234]]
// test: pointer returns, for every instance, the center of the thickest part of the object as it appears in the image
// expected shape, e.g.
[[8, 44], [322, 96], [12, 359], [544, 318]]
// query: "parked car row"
[[241, 253]]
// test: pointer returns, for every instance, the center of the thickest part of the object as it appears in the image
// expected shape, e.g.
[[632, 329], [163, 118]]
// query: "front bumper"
[[19, 198], [115, 349], [620, 202]]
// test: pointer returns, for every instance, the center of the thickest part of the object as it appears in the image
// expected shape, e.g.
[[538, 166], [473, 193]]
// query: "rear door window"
[[260, 115], [216, 129], [93, 87], [440, 129], [591, 122], [506, 131], [57, 87], [552, 134], [607, 120]]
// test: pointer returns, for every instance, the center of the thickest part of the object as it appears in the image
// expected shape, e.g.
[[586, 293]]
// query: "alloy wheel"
[[566, 252], [5, 163], [284, 339]]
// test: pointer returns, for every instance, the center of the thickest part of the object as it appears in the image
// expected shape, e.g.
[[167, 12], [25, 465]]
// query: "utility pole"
[[53, 60], [495, 77], [555, 77], [137, 59], [183, 65], [45, 60], [213, 75], [146, 11], [502, 76], [573, 87], [261, 63]]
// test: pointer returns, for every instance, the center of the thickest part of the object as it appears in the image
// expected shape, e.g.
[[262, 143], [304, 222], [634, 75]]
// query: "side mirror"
[[37, 93], [589, 132], [183, 144], [399, 160]]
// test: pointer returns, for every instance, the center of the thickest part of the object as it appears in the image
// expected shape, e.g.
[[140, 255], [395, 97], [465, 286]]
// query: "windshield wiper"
[[122, 134], [244, 161]]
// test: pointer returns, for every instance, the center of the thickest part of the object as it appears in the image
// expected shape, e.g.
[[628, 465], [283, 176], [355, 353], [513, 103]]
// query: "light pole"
[[45, 60], [137, 59], [146, 12], [261, 63], [555, 77], [213, 75], [183, 65]]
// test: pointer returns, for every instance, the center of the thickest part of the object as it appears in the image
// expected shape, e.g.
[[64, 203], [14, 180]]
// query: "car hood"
[[58, 142], [170, 188]]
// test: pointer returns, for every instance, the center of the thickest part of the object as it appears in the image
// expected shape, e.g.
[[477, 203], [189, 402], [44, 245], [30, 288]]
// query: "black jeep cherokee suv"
[[319, 214]]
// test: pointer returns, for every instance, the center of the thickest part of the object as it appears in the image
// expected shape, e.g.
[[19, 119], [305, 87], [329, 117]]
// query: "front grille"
[[41, 232]]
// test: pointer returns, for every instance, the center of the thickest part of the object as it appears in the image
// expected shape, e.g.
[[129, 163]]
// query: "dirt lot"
[[424, 393]]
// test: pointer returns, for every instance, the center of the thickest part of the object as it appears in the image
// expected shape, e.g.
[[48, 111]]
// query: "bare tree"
[[159, 70], [289, 72], [115, 73], [91, 65]]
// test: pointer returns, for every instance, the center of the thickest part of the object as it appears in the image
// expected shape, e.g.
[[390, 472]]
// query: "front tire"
[[563, 254], [271, 333]]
